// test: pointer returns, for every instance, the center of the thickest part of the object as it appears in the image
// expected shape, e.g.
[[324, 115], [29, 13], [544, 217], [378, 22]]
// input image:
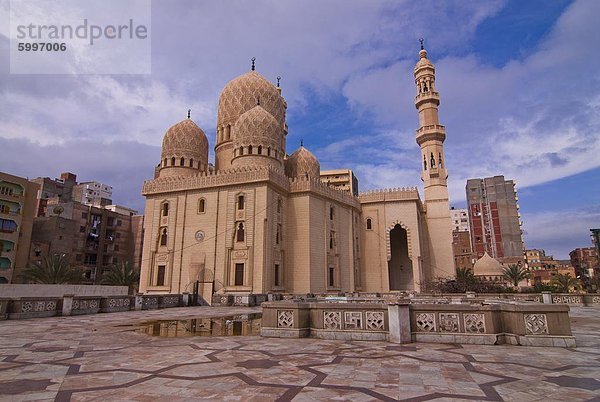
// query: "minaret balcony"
[[431, 132], [429, 96]]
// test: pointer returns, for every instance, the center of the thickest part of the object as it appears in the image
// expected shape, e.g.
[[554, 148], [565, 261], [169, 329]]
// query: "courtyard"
[[107, 357]]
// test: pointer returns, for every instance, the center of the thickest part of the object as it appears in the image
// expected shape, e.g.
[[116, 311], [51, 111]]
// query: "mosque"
[[261, 221]]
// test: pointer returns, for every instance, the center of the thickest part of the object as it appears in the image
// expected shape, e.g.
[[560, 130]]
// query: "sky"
[[519, 83]]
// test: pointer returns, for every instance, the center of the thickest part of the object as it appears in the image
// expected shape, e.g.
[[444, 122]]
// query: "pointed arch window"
[[269, 151], [163, 237], [191, 163], [240, 202], [201, 205], [260, 149], [241, 151], [249, 149], [165, 209], [279, 206], [181, 161], [165, 162], [331, 213], [240, 232], [369, 224]]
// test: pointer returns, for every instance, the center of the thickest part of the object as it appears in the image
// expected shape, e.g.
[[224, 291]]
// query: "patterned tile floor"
[[99, 357]]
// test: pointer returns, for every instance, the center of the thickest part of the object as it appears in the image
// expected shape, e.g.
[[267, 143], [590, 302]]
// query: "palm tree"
[[122, 275], [52, 270], [465, 275], [564, 282], [515, 274]]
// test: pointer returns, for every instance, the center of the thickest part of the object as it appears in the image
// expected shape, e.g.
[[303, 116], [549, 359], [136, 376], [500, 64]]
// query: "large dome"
[[258, 127], [242, 93], [185, 140], [302, 163]]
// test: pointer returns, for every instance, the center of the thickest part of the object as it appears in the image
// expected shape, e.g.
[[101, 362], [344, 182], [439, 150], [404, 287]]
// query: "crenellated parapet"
[[302, 184], [390, 194], [240, 176]]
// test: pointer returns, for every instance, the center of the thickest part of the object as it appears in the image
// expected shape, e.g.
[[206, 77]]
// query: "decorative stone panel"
[[448, 322], [536, 324], [566, 299], [353, 320], [168, 301], [425, 322], [332, 320], [596, 299], [375, 320], [149, 302], [114, 304], [285, 318], [474, 323]]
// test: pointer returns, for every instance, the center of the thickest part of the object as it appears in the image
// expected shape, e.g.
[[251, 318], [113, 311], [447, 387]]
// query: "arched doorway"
[[400, 266]]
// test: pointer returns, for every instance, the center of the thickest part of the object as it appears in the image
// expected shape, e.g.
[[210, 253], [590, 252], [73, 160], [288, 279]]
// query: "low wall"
[[37, 307], [531, 324], [15, 290]]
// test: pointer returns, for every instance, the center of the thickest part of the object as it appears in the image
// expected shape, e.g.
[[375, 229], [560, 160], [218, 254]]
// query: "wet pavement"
[[115, 357]]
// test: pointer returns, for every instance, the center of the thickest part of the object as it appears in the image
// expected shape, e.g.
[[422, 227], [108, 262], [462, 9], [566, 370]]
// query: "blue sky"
[[519, 82]]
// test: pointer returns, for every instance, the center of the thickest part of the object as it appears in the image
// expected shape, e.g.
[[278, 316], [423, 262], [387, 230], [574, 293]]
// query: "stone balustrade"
[[36, 307], [473, 322]]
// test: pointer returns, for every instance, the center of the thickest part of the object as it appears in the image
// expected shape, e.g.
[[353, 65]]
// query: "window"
[[249, 149], [181, 161], [331, 240], [7, 225], [173, 161], [163, 237], [260, 149], [240, 202], [160, 277], [278, 206], [191, 163], [116, 247], [330, 213], [201, 206], [118, 235], [276, 274], [84, 215], [119, 222], [165, 164], [331, 276], [241, 150], [165, 209], [81, 229], [269, 151], [78, 257], [369, 224], [240, 232], [239, 274], [278, 235]]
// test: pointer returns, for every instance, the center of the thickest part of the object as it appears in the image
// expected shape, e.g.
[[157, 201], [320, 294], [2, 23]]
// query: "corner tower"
[[430, 136]]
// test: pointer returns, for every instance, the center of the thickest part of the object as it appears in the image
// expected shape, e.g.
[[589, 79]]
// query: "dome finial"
[[278, 79], [422, 40], [253, 60], [189, 113]]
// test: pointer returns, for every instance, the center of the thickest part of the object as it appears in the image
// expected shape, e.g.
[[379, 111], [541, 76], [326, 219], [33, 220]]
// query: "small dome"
[[423, 60], [301, 163], [242, 93], [185, 140], [487, 266], [258, 127]]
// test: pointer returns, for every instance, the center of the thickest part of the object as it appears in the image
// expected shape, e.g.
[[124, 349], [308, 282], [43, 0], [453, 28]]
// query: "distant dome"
[[423, 60], [242, 94], [301, 163], [487, 266], [185, 140]]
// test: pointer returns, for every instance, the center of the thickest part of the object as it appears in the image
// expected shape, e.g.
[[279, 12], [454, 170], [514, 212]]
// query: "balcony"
[[5, 263]]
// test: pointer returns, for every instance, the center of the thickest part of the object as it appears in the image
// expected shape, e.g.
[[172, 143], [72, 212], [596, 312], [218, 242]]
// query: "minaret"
[[430, 136]]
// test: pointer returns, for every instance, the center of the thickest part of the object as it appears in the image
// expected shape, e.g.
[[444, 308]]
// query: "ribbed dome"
[[301, 163], [242, 93], [487, 266], [185, 140], [258, 127]]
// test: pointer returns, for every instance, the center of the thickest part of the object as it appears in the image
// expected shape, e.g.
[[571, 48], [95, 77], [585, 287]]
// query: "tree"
[[52, 270], [122, 275], [515, 274], [465, 275], [564, 282]]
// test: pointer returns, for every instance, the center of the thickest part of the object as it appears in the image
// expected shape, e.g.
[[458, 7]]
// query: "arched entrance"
[[400, 268]]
